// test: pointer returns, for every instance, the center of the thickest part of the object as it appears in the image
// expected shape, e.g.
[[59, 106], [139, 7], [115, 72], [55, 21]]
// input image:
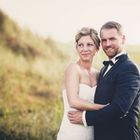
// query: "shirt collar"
[[114, 58]]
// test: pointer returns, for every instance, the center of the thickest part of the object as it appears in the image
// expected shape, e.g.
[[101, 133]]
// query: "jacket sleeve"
[[125, 93]]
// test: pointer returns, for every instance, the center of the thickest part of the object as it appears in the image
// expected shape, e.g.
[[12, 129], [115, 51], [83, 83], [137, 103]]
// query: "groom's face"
[[112, 42]]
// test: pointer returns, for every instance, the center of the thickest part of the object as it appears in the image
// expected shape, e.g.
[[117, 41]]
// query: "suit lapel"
[[101, 74], [121, 59]]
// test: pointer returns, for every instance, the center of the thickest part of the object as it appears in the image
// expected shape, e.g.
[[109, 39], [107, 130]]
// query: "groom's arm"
[[127, 90]]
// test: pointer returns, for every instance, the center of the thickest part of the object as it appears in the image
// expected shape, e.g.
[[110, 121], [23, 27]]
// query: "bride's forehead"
[[85, 39]]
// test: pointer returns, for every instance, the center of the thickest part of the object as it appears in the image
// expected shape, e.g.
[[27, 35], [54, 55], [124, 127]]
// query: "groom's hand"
[[75, 117]]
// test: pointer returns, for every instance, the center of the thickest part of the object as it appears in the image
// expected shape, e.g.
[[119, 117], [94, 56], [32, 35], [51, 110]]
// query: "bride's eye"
[[90, 45], [80, 45]]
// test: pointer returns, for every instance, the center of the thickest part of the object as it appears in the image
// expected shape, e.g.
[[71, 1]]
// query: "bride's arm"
[[72, 78]]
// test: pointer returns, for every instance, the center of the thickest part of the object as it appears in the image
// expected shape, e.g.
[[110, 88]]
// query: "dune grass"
[[31, 76]]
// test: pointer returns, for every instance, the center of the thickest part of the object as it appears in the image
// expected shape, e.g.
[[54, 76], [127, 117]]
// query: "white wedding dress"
[[71, 131]]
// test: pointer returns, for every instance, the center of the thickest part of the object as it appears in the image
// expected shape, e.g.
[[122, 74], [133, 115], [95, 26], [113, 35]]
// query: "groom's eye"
[[112, 38], [103, 40]]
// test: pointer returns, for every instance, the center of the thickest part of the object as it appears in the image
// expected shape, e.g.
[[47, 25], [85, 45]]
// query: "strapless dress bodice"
[[76, 131], [85, 92]]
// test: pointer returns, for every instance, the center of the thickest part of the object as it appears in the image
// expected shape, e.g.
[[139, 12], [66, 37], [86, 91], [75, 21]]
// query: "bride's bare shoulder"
[[72, 67]]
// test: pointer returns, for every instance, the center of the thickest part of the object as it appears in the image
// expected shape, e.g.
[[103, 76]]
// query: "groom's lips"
[[108, 49]]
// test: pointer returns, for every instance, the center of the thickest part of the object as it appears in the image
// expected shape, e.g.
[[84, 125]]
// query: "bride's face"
[[86, 48]]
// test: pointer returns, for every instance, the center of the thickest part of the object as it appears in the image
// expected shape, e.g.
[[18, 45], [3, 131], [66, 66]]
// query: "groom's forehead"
[[107, 33]]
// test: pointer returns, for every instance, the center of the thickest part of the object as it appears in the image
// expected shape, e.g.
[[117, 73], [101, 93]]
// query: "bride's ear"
[[97, 50], [97, 53]]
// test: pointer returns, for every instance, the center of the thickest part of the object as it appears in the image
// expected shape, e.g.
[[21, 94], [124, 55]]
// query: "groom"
[[118, 85]]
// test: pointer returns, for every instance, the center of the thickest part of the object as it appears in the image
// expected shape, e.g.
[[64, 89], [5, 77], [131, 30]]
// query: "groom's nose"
[[108, 42]]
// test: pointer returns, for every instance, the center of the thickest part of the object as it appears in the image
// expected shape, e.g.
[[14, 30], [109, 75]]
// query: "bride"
[[80, 85]]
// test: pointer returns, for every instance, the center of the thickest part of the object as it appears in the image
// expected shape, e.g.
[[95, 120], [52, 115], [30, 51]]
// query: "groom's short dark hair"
[[111, 25]]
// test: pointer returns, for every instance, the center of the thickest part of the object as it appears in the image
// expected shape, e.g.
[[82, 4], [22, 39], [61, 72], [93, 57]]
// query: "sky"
[[61, 19]]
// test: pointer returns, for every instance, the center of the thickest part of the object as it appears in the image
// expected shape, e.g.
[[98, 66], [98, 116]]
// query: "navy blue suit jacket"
[[121, 88]]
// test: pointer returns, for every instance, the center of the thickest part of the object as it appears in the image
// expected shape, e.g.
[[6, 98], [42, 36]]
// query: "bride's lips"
[[87, 54]]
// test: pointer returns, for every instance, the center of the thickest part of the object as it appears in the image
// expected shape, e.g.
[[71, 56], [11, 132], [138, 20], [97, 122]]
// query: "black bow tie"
[[106, 63]]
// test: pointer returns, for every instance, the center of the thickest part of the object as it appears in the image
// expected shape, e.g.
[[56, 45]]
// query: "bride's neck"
[[85, 65]]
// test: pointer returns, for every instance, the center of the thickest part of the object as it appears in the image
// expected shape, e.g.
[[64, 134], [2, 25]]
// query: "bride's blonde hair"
[[91, 32]]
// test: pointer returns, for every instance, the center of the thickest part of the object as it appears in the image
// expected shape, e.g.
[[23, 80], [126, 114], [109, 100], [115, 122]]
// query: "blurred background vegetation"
[[31, 76]]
